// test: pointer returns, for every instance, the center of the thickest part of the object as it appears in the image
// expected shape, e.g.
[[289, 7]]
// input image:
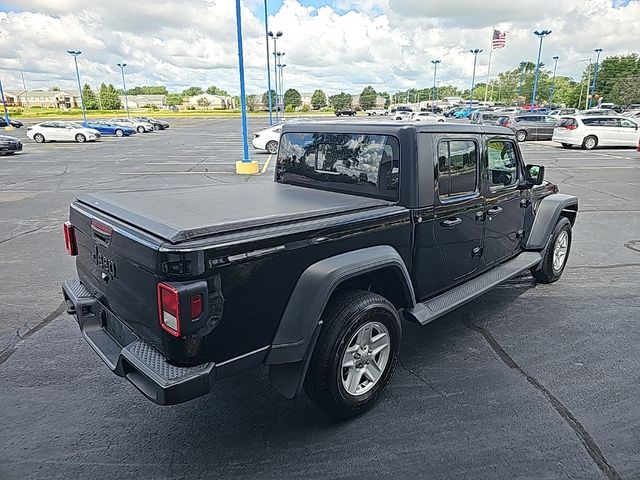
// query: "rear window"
[[349, 163], [600, 122], [567, 122], [457, 165]]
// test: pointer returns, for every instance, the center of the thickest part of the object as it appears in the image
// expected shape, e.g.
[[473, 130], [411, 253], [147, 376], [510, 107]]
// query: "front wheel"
[[140, 129], [355, 354], [156, 127], [555, 258], [119, 133], [80, 138], [521, 135]]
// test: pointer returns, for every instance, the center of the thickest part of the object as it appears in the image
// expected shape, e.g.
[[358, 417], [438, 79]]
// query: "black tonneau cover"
[[179, 215]]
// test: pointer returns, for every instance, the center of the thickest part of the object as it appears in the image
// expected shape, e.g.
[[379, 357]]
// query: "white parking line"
[[176, 173]]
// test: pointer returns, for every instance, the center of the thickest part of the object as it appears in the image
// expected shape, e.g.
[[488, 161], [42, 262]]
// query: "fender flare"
[[301, 322], [548, 211]]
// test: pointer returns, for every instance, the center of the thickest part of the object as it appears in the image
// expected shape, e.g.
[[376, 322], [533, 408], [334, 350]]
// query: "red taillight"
[[70, 239], [169, 309], [573, 126], [196, 306]]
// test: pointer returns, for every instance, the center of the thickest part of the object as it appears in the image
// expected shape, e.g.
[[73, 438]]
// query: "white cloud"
[[342, 46]]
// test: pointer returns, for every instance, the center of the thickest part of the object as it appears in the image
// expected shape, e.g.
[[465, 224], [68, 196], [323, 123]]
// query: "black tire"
[[140, 129], [156, 127], [590, 142], [272, 147], [119, 133], [521, 135], [345, 314], [80, 138], [337, 114], [566, 145], [547, 273], [38, 138]]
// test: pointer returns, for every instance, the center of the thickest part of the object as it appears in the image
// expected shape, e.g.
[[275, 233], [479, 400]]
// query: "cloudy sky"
[[336, 45]]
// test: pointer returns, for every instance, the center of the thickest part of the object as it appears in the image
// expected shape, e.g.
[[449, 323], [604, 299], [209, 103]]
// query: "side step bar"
[[436, 307]]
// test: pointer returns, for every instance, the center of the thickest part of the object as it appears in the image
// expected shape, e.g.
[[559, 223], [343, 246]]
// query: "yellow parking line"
[[266, 164]]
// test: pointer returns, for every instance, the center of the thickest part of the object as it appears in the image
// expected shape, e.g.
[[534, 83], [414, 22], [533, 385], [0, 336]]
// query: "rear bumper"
[[132, 358]]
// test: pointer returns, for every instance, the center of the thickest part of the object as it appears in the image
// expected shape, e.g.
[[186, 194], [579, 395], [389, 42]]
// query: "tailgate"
[[118, 266]]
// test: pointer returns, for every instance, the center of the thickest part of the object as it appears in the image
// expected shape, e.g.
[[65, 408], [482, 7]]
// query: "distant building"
[[62, 99], [306, 99], [140, 101], [209, 102]]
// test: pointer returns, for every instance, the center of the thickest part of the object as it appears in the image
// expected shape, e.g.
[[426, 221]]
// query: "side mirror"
[[534, 175]]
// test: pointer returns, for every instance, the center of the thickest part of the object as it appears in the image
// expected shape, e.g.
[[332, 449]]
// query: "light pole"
[[75, 54], [275, 37], [280, 94], [124, 85], [552, 88], [266, 34], [595, 75], [473, 78], [282, 86], [522, 70], [6, 112], [588, 65], [540, 34], [434, 97], [246, 166]]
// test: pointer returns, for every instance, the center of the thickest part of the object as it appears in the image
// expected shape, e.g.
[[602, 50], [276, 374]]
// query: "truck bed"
[[184, 214]]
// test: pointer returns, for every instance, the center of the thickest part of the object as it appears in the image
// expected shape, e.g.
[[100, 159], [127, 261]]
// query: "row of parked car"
[[91, 130], [570, 127]]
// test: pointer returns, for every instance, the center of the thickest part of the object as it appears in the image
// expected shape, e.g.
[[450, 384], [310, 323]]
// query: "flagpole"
[[486, 86]]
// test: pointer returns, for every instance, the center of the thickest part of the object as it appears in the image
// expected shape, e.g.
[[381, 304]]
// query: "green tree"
[[109, 97], [368, 98], [628, 91], [265, 99], [387, 99], [340, 101], [318, 100], [213, 90], [148, 90], [192, 92], [292, 98], [613, 73], [174, 99], [252, 101], [89, 98]]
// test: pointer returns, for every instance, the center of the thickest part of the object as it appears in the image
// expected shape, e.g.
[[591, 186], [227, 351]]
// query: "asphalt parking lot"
[[528, 381]]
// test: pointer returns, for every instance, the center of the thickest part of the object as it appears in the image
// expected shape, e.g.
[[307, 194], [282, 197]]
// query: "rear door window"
[[457, 168]]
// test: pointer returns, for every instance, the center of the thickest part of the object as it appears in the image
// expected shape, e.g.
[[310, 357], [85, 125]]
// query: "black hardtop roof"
[[389, 127]]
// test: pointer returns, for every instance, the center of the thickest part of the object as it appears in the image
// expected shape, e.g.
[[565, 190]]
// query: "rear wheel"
[[119, 133], [521, 135], [566, 145], [80, 138], [38, 138], [555, 259], [140, 129], [272, 147], [355, 354], [590, 142]]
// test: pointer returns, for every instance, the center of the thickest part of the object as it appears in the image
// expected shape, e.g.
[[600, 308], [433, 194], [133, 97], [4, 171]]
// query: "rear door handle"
[[451, 222], [494, 210]]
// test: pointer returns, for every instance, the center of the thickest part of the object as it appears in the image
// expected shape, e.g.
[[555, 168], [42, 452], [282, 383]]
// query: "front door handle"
[[494, 210], [451, 222]]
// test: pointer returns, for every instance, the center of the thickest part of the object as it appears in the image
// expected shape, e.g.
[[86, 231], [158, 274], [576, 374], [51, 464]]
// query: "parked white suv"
[[592, 131]]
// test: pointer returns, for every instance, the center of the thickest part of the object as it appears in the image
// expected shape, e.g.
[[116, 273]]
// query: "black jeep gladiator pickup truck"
[[365, 224]]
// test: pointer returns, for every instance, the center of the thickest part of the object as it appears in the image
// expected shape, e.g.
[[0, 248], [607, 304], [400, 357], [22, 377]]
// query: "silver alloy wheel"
[[589, 143], [521, 136], [560, 251], [272, 147], [365, 359]]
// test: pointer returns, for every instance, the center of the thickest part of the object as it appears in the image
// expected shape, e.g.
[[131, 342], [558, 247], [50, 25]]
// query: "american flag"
[[499, 39]]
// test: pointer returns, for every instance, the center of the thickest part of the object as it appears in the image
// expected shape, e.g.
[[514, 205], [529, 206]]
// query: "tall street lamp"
[[245, 166], [280, 92], [552, 88], [266, 34], [275, 37], [124, 85], [282, 85], [595, 75], [473, 78], [434, 97], [540, 34], [75, 54]]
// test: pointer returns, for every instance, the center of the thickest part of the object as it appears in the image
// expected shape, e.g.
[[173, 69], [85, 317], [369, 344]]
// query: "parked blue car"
[[466, 113], [106, 128]]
